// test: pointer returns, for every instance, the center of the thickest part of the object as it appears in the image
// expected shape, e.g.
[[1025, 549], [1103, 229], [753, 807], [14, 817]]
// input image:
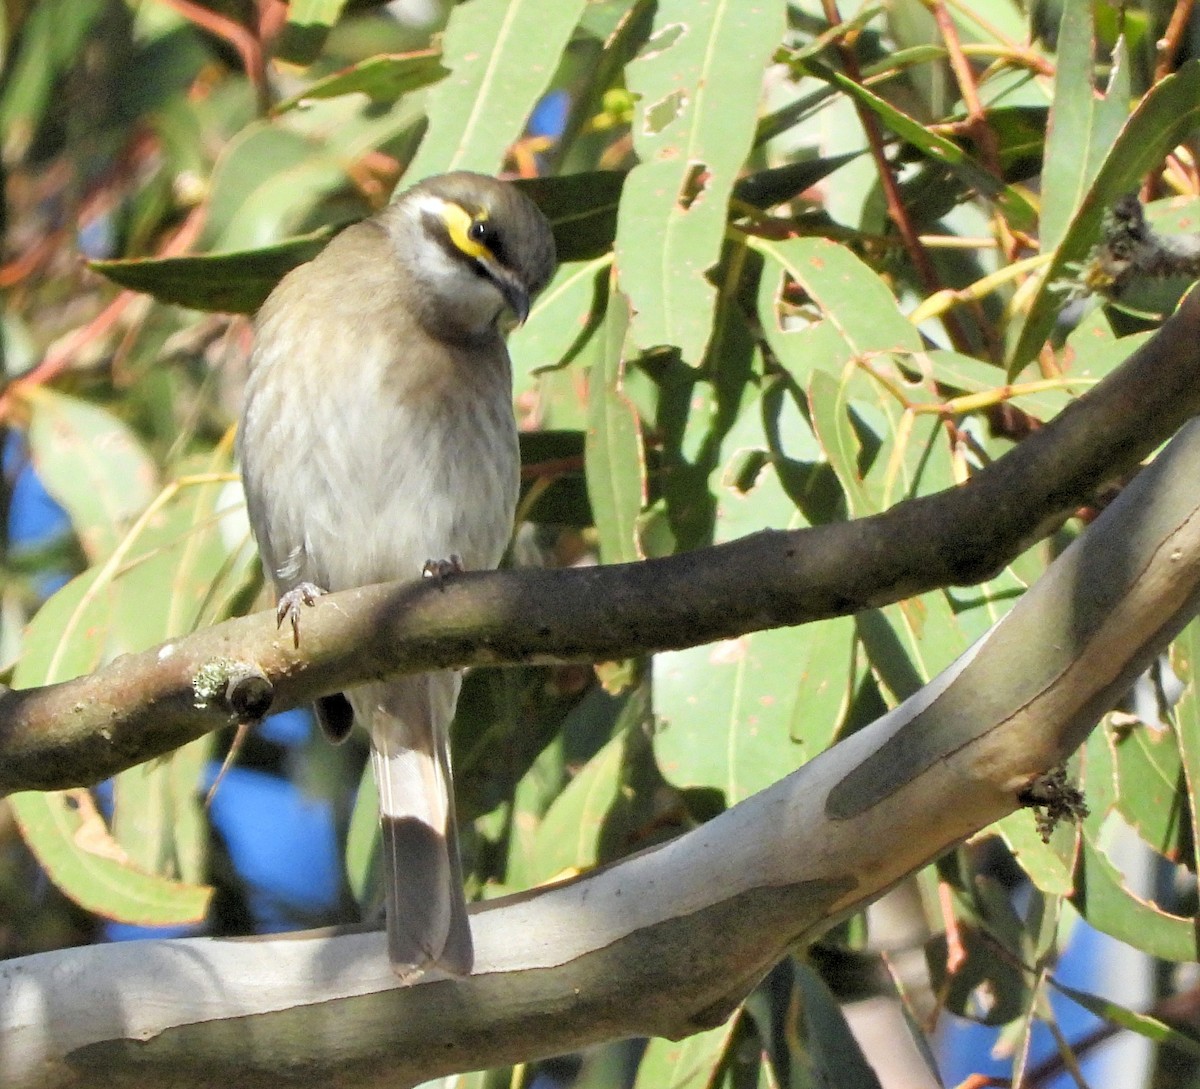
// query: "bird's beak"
[[516, 295], [518, 302]]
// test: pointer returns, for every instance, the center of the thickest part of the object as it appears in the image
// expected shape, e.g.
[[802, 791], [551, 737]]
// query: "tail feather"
[[409, 720]]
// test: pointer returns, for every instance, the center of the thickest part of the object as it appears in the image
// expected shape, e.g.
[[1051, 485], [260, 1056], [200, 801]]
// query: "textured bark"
[[81, 731], [666, 942]]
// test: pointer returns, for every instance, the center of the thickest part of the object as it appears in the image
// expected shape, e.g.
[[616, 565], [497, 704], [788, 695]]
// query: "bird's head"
[[473, 247]]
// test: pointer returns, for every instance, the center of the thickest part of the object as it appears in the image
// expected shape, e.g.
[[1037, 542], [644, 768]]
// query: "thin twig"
[[891, 188], [1167, 47]]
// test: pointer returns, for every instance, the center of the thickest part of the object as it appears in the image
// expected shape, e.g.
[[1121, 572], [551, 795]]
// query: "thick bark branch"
[[668, 941], [143, 705]]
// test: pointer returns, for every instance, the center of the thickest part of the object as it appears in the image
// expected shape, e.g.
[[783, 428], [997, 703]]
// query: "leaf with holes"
[[698, 83]]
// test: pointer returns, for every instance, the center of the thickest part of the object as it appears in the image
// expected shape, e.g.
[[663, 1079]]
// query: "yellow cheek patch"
[[458, 224]]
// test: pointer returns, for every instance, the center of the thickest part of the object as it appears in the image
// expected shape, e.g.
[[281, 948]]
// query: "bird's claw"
[[439, 569], [306, 593]]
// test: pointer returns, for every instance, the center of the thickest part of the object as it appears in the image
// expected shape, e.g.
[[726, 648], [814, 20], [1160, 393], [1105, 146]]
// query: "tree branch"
[[143, 705], [668, 941]]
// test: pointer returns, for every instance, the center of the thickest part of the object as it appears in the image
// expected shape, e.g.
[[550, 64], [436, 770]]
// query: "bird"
[[377, 442]]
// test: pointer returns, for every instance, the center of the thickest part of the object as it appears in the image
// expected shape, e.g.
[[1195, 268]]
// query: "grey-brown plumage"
[[377, 435]]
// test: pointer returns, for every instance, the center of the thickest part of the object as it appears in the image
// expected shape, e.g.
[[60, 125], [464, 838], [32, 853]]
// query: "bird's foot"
[[306, 593], [439, 569]]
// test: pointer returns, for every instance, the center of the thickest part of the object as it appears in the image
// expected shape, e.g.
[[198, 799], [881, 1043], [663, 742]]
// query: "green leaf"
[[568, 839], [833, 427], [164, 588], [1103, 899], [581, 208], [157, 583], [1050, 866], [1148, 1027], [562, 319], [859, 436], [1167, 114], [362, 843], [236, 283], [496, 80], [265, 186], [833, 1051], [158, 815], [92, 463], [69, 635], [764, 503], [863, 318], [68, 836], [307, 27], [615, 460], [698, 82], [383, 79], [685, 1064], [778, 184], [1185, 657], [1151, 791], [534, 794], [325, 12], [910, 642], [739, 715], [963, 374], [1014, 204], [48, 45], [1083, 125]]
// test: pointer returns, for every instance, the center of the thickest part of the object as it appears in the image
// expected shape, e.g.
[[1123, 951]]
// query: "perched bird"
[[377, 442]]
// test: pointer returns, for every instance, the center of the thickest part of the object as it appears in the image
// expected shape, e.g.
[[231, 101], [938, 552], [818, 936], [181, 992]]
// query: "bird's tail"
[[409, 720]]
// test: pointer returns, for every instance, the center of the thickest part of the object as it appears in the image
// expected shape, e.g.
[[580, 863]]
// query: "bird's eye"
[[478, 231]]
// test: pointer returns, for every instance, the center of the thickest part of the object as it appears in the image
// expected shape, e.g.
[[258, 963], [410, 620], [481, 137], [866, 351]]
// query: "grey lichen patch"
[[213, 677]]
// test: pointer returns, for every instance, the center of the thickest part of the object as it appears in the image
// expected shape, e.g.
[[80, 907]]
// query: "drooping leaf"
[[568, 837], [562, 318], [833, 1050], [1106, 902], [1151, 1028]]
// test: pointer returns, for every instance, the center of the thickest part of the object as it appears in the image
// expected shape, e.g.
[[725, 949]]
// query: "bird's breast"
[[387, 465]]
